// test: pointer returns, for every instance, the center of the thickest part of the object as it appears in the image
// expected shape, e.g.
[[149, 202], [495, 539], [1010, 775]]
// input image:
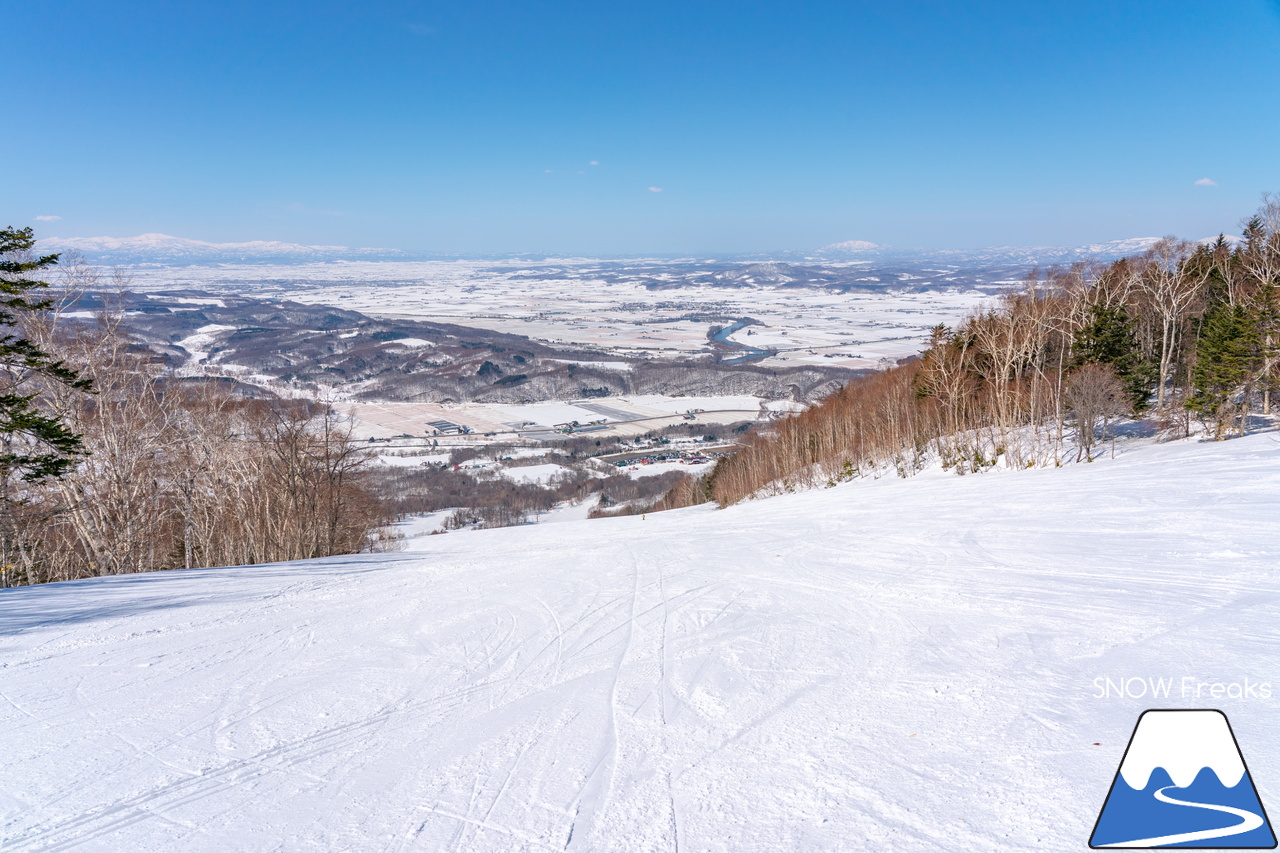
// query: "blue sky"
[[623, 127]]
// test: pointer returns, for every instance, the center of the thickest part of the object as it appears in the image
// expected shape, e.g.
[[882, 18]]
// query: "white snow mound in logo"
[[1183, 743]]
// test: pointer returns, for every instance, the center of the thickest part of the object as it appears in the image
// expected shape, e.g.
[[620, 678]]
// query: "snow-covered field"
[[896, 665], [579, 301], [614, 416], [535, 473], [655, 468]]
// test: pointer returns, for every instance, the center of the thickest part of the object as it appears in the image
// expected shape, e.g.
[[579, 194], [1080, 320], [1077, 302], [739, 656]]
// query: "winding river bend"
[[749, 353]]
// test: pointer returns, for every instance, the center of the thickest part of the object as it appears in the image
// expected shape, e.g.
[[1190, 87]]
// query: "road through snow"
[[890, 665]]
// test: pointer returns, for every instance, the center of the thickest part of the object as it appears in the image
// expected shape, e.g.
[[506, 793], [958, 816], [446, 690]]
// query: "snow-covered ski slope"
[[896, 665]]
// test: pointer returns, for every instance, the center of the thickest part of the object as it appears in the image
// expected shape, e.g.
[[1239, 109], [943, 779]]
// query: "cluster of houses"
[[570, 427], [687, 457]]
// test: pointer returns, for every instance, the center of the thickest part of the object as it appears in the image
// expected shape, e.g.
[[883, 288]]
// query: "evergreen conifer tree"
[[1109, 338], [1228, 355], [34, 445]]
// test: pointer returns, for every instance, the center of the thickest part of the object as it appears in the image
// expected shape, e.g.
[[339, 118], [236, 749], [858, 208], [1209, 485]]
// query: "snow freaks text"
[[1185, 687]]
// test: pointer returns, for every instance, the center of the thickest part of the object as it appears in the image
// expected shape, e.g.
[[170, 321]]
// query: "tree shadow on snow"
[[1144, 428], [91, 599]]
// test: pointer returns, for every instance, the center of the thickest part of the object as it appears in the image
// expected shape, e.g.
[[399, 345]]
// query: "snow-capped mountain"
[[1108, 251], [763, 274], [853, 247], [166, 249], [860, 250]]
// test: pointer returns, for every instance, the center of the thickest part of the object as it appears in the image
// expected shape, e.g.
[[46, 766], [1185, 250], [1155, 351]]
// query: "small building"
[[445, 428]]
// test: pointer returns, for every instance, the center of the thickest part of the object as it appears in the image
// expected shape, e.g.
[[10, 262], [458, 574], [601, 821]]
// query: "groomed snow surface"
[[889, 665]]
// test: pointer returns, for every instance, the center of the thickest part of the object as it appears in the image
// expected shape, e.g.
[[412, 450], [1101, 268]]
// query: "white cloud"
[[546, 171], [655, 189], [595, 162], [47, 218], [1206, 182]]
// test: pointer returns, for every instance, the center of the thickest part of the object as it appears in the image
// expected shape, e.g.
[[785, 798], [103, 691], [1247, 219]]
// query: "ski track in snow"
[[887, 665]]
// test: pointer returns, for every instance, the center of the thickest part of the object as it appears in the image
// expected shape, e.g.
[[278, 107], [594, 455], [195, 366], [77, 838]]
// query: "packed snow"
[[900, 665]]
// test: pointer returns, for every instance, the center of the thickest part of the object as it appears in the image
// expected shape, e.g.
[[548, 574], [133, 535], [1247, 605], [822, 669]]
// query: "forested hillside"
[[112, 463], [1183, 334]]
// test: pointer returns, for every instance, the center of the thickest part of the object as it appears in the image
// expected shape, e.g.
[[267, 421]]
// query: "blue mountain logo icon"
[[1183, 783]]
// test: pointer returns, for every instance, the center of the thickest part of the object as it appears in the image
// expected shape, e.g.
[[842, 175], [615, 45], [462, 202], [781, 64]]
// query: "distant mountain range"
[[860, 250], [162, 249]]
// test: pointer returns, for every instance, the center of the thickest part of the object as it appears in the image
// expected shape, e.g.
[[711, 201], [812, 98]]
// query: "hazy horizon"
[[164, 246]]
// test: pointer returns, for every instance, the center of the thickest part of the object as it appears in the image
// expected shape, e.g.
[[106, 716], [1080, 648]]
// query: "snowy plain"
[[891, 665], [579, 302]]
